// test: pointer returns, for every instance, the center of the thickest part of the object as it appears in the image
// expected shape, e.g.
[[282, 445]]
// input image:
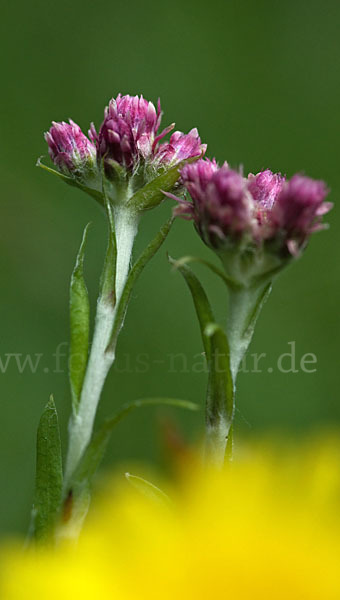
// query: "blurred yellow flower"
[[267, 527]]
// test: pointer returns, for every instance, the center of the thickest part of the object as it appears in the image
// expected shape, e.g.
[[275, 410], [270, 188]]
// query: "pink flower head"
[[129, 134], [298, 210], [69, 148], [128, 131], [220, 204], [228, 204], [199, 173], [195, 177]]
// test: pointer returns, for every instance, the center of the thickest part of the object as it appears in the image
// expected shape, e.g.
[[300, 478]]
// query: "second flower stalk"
[[256, 226]]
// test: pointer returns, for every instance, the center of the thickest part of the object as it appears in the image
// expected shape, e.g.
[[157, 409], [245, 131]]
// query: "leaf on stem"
[[49, 477], [151, 194], [108, 277], [73, 182], [220, 397], [148, 489], [136, 270], [81, 480], [202, 305], [80, 325], [188, 259]]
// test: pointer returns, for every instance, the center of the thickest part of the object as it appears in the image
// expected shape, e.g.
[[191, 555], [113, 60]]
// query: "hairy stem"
[[244, 307], [245, 304], [100, 360], [216, 441]]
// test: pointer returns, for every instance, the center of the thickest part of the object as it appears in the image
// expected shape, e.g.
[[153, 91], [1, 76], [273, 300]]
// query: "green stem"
[[245, 304], [100, 360], [216, 442]]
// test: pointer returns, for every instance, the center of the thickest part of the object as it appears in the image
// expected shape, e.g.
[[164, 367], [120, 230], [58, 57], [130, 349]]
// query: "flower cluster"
[[129, 138], [263, 213], [263, 209], [266, 528]]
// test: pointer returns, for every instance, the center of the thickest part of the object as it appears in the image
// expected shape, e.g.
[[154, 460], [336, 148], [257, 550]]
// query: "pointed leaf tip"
[[147, 489], [185, 260], [202, 305], [98, 196]]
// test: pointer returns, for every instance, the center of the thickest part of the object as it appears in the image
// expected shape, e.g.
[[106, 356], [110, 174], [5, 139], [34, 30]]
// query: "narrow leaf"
[[80, 325], [253, 316], [108, 278], [49, 478], [220, 398], [73, 182], [201, 303], [96, 449], [220, 394], [136, 270], [188, 259], [147, 489], [152, 193]]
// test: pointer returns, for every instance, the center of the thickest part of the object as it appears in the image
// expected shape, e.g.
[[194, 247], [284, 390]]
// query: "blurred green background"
[[261, 82]]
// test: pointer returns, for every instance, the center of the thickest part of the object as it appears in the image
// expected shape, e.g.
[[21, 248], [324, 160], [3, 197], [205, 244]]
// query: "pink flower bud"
[[180, 147], [129, 135], [221, 204], [70, 149], [265, 187], [298, 210], [128, 130]]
